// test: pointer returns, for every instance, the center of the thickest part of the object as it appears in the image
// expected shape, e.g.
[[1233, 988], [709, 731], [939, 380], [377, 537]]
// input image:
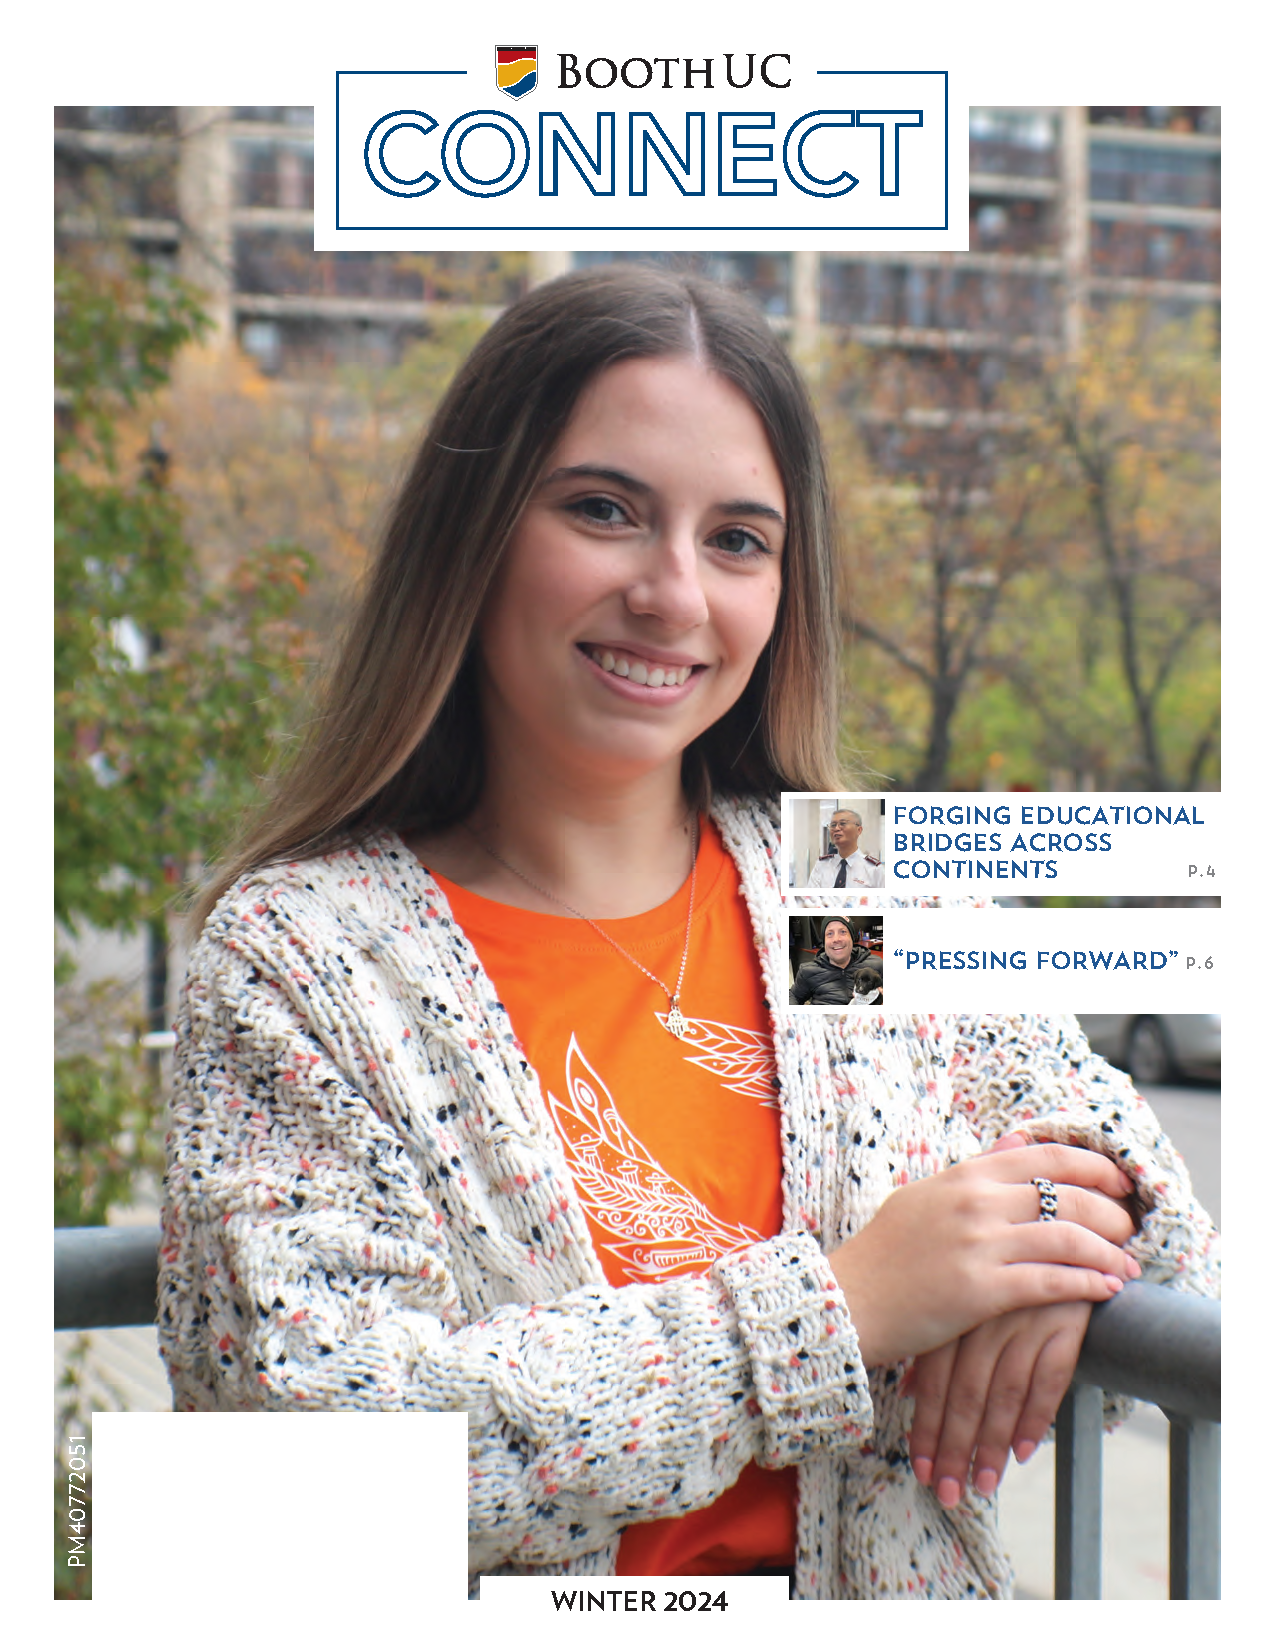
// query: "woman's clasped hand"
[[997, 1388], [945, 1254], [984, 1387]]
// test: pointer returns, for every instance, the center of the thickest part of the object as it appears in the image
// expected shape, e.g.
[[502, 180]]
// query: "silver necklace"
[[675, 1021]]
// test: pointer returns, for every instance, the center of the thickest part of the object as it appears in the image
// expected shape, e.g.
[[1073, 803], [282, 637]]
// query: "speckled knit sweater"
[[367, 1207]]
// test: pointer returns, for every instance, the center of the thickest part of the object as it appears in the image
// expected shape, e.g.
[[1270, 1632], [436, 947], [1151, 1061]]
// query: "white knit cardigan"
[[367, 1207]]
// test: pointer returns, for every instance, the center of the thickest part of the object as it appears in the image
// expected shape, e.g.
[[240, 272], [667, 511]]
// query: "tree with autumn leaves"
[[1032, 587], [1130, 435]]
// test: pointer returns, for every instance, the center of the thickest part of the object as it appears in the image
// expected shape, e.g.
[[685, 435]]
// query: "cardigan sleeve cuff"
[[809, 1381]]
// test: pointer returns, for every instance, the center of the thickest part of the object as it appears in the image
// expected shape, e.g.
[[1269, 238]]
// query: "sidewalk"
[[1135, 1513]]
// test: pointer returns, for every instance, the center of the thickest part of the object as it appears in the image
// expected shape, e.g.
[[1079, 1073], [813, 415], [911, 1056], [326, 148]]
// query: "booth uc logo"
[[516, 70]]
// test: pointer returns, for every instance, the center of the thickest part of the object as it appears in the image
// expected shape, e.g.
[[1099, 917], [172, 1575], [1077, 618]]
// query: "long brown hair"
[[397, 740]]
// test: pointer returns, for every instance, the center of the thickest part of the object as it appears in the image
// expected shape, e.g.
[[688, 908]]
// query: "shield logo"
[[516, 70]]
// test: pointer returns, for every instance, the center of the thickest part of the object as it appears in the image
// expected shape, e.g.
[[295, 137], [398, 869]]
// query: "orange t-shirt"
[[673, 1144]]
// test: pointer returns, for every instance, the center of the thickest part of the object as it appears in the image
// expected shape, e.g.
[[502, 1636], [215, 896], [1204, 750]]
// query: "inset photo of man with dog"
[[836, 961]]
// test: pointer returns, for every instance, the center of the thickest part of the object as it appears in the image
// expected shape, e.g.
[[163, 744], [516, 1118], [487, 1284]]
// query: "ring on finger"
[[1047, 1192]]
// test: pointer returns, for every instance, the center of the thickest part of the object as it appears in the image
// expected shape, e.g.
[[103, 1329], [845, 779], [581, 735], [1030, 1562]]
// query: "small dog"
[[867, 985]]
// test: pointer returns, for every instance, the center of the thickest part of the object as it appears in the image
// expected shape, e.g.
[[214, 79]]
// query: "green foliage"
[[115, 334], [416, 384], [104, 1110], [69, 1581], [170, 688], [108, 1098], [168, 696]]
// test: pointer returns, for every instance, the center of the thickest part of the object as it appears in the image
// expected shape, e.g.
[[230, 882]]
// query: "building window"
[[1202, 118], [1154, 177], [1163, 252], [278, 117], [1015, 142], [275, 175], [765, 276]]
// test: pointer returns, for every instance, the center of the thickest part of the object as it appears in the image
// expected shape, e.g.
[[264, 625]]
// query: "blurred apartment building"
[[1068, 208]]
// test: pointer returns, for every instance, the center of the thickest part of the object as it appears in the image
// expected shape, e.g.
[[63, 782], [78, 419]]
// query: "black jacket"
[[823, 983]]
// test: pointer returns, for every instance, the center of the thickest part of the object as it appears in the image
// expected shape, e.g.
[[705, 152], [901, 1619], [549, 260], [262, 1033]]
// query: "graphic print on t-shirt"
[[744, 1060], [649, 1221], [674, 1144]]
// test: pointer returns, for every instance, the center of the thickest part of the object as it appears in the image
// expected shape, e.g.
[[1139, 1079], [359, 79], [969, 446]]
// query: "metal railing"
[[104, 1277], [1148, 1342], [1166, 1348]]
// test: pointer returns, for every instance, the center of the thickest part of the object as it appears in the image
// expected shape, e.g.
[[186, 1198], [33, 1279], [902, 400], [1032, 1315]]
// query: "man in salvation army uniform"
[[849, 867]]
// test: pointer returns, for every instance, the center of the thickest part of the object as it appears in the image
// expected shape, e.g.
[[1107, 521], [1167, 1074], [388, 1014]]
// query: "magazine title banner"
[[605, 142]]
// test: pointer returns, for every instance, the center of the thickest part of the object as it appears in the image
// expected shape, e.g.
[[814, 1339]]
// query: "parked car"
[[1156, 1048]]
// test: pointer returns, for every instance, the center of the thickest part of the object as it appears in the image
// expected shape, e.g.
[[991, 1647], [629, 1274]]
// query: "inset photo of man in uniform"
[[834, 842]]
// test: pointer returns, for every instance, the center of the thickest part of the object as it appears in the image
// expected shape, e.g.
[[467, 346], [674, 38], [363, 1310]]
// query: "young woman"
[[486, 1095]]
